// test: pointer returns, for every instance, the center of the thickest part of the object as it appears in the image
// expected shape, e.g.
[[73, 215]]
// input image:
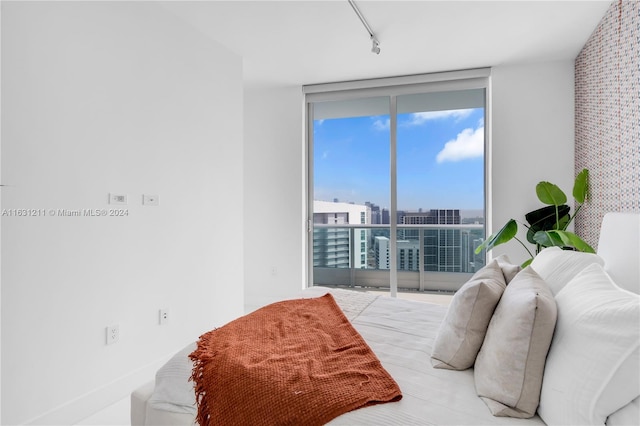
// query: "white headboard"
[[619, 246]]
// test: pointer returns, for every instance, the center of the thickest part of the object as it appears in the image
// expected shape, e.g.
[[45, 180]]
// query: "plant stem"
[[573, 217], [525, 247]]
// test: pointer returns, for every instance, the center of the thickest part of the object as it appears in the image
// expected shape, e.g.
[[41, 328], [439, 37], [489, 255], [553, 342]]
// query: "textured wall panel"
[[608, 117]]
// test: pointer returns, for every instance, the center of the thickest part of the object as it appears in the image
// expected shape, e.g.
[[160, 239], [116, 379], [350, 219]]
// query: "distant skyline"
[[440, 160]]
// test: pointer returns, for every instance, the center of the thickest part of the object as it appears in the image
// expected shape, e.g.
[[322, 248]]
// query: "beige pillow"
[[462, 331], [508, 269], [510, 365]]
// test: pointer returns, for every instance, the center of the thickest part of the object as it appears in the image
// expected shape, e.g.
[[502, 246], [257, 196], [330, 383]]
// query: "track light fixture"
[[375, 44], [375, 48]]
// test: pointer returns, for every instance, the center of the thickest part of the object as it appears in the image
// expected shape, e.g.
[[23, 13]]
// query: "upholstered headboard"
[[619, 246]]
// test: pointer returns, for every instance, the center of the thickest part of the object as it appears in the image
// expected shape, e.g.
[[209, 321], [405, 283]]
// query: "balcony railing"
[[428, 257]]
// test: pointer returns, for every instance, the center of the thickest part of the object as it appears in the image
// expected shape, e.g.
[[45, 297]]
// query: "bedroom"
[[64, 280]]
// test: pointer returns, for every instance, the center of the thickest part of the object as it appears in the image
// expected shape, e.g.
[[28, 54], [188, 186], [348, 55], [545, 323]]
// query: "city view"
[[439, 164], [443, 249]]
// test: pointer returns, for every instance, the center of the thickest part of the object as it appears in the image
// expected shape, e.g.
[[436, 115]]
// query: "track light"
[[375, 44], [375, 47]]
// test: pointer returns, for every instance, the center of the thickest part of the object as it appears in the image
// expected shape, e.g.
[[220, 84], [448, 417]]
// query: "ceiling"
[[287, 43]]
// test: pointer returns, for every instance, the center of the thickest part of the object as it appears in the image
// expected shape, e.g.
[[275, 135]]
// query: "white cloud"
[[418, 118], [468, 144], [382, 124]]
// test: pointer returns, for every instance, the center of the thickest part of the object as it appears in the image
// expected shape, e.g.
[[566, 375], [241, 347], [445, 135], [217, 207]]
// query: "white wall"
[[273, 190], [533, 130], [113, 97], [0, 226], [533, 140]]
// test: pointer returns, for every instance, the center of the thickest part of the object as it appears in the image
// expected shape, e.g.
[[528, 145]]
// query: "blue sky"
[[439, 160]]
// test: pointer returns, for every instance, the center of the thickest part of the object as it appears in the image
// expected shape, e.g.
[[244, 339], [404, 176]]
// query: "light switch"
[[117, 198]]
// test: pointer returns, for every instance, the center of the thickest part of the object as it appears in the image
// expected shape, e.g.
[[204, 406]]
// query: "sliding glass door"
[[396, 185]]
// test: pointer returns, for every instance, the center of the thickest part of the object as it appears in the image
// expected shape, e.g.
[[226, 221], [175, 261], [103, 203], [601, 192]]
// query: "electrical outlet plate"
[[150, 200], [164, 316], [118, 199], [113, 334]]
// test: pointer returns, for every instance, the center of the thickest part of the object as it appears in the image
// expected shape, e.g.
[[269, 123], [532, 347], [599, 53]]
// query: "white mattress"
[[401, 333]]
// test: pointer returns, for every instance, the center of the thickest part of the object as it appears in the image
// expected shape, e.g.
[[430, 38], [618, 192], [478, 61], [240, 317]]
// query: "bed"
[[596, 328]]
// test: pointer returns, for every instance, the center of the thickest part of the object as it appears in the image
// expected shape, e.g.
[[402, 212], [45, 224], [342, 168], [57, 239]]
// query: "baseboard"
[[90, 403]]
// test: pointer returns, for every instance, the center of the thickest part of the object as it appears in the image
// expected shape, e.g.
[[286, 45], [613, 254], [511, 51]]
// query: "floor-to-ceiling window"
[[396, 181]]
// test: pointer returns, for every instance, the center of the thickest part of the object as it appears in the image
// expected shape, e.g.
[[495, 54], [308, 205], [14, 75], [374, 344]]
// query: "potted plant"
[[547, 226]]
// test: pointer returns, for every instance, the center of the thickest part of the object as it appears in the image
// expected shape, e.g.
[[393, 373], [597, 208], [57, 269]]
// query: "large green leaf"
[[551, 194], [562, 239], [581, 186], [526, 263], [508, 231], [547, 239], [544, 219], [572, 240]]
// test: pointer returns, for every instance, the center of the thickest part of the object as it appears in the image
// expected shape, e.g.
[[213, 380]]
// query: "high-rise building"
[[385, 217], [443, 248], [332, 245], [376, 216], [381, 252], [432, 217], [400, 214], [408, 254]]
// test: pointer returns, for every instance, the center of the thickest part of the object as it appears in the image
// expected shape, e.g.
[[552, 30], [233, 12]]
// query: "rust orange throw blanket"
[[296, 362]]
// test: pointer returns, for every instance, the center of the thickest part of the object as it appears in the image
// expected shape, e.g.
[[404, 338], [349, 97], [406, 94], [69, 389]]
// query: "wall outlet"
[[150, 200], [113, 334], [164, 316]]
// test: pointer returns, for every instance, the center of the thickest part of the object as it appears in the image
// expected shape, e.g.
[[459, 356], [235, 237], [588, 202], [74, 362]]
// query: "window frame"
[[392, 87]]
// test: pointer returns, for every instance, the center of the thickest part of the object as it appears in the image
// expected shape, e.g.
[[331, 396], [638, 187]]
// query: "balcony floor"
[[442, 298], [438, 297]]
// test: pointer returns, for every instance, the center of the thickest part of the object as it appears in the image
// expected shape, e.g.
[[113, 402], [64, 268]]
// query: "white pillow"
[[593, 365], [629, 415], [620, 249], [557, 267], [173, 390]]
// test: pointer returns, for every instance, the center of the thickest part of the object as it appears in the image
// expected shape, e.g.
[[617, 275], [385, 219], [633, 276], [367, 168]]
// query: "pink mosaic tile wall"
[[607, 83]]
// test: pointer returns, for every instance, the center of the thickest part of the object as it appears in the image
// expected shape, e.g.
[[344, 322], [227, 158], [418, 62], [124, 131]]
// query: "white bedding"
[[401, 333]]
